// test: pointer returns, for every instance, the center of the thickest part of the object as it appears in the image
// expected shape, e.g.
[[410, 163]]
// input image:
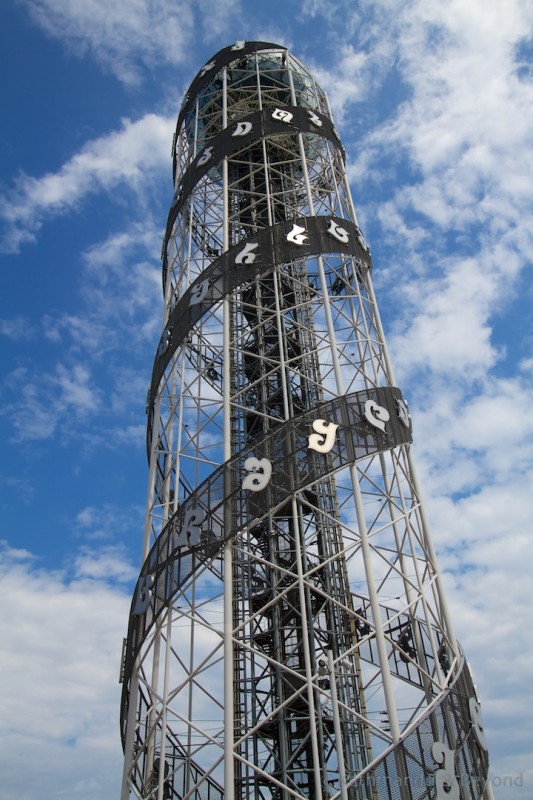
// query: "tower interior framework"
[[288, 636]]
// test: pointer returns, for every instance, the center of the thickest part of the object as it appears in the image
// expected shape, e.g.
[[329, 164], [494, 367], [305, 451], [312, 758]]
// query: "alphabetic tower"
[[289, 636]]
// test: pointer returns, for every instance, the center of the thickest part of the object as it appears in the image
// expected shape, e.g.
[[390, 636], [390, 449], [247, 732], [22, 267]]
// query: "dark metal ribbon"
[[210, 70], [295, 466], [266, 123], [226, 274]]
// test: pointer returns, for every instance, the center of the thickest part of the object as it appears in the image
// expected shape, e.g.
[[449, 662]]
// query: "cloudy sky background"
[[434, 103]]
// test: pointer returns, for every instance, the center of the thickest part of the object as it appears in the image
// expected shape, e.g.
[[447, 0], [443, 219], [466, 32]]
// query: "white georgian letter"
[[242, 128], [446, 784], [341, 234], [207, 68], [190, 528], [260, 471], [314, 119], [477, 722], [246, 255], [176, 195], [376, 414], [143, 594], [403, 411], [205, 157], [199, 293], [164, 342], [362, 241], [297, 235], [282, 114], [323, 440]]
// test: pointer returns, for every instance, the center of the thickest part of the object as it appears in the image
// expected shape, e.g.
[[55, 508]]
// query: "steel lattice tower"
[[288, 636]]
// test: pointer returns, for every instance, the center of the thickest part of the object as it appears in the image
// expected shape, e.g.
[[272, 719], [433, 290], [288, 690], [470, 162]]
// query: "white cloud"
[[458, 63], [123, 38], [104, 564], [108, 521], [526, 365], [310, 8], [74, 389], [218, 19], [60, 642], [123, 289], [20, 489], [18, 328], [103, 368], [131, 435], [484, 546], [130, 387], [123, 157], [120, 288], [46, 401], [117, 248], [444, 326], [348, 83]]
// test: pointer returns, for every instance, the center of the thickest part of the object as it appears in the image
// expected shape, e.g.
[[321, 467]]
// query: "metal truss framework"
[[288, 636]]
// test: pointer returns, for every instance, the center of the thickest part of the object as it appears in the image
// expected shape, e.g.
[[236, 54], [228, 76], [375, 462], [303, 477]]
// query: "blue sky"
[[434, 104]]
